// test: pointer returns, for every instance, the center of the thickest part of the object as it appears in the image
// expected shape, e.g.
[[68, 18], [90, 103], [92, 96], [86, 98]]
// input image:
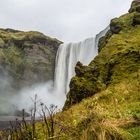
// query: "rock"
[[19, 113], [135, 6], [138, 9], [136, 19], [79, 69], [103, 40], [115, 26]]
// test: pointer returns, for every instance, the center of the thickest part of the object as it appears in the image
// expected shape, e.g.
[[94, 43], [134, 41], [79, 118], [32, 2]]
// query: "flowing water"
[[67, 57]]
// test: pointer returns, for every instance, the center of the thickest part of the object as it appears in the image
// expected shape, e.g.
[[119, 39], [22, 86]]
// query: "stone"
[[115, 26], [136, 19]]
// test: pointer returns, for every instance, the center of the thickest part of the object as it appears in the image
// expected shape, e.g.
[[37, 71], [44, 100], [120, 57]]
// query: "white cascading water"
[[67, 57]]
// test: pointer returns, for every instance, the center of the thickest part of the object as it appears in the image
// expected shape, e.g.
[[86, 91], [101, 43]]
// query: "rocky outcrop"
[[115, 26], [27, 57], [136, 19], [135, 7], [103, 40]]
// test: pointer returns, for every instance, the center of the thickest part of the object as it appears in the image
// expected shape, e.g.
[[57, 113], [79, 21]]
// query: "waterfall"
[[67, 57]]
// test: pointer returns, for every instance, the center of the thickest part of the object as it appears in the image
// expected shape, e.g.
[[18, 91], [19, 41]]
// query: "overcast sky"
[[67, 20]]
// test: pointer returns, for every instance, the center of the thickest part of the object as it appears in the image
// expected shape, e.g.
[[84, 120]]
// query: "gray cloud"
[[68, 20]]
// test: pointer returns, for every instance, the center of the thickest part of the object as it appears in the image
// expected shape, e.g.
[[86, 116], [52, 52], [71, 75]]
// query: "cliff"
[[27, 57]]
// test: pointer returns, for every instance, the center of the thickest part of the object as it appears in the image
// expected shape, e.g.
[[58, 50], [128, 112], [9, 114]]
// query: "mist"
[[6, 94], [45, 94], [12, 100]]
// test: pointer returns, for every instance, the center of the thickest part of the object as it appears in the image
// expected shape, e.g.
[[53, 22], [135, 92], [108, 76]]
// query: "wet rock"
[[103, 40]]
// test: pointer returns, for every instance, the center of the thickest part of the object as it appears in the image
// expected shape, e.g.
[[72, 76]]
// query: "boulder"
[[115, 26], [136, 19], [135, 6]]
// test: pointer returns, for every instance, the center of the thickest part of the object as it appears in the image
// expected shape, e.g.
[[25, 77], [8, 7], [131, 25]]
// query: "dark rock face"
[[136, 19], [135, 6], [103, 40], [78, 68], [138, 9], [27, 57], [115, 26]]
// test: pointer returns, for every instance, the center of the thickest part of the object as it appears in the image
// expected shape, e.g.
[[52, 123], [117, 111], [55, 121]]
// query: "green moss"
[[135, 131]]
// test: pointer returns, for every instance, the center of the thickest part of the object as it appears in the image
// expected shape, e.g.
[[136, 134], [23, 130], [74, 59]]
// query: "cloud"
[[68, 20]]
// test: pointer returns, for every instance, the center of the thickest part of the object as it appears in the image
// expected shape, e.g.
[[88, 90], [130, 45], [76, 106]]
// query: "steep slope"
[[26, 57]]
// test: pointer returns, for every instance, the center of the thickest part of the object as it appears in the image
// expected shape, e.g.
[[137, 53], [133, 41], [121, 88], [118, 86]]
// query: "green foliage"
[[135, 131]]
